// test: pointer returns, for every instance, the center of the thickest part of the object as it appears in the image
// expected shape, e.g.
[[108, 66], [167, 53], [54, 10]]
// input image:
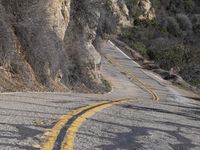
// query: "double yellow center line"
[[128, 73], [63, 133]]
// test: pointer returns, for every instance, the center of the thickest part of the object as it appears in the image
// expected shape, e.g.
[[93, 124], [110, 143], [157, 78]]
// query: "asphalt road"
[[143, 112]]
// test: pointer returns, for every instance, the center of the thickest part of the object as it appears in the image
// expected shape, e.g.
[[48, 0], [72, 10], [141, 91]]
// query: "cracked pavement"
[[172, 123]]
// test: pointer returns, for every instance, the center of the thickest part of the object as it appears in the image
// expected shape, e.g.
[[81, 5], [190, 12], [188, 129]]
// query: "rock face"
[[34, 46], [49, 45], [147, 10]]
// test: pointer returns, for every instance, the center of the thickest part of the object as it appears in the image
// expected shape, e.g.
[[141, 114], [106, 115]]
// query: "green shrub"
[[189, 5], [171, 57], [179, 6], [106, 85], [140, 47], [197, 28], [184, 22], [144, 23], [173, 26], [126, 34], [196, 82]]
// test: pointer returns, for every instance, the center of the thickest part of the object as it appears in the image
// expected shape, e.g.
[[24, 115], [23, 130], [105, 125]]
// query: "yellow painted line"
[[54, 132], [49, 143], [153, 93], [144, 86], [68, 142]]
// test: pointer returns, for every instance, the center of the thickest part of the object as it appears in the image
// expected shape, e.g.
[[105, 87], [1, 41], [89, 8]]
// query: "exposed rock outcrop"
[[49, 45], [146, 9]]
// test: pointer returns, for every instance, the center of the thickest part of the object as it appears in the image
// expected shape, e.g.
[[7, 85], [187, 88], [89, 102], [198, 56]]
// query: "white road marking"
[[132, 59], [156, 76], [150, 74], [124, 53]]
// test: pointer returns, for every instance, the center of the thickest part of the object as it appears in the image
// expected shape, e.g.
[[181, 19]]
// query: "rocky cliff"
[[52, 45]]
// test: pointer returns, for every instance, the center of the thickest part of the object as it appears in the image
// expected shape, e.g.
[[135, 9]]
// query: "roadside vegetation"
[[171, 38], [106, 84]]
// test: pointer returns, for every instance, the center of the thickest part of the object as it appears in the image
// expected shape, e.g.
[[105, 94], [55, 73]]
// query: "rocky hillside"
[[52, 45], [167, 32]]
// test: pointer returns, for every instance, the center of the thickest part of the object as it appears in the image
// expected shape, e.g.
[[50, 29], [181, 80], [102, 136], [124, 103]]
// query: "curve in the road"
[[128, 73], [63, 133]]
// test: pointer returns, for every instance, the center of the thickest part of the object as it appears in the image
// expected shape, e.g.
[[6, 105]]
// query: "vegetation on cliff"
[[168, 33]]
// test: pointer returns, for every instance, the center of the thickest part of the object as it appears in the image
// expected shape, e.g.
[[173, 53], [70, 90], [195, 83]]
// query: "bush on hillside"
[[173, 26], [197, 28], [184, 22], [171, 57], [180, 6], [139, 46], [196, 81]]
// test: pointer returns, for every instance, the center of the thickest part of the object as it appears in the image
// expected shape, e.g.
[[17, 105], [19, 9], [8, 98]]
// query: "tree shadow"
[[23, 133], [159, 110], [130, 140]]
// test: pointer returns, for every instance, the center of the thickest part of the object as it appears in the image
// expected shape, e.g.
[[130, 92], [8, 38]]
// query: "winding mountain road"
[[143, 112]]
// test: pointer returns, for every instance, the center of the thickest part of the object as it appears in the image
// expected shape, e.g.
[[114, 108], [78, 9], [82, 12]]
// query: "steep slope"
[[49, 45], [167, 32]]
